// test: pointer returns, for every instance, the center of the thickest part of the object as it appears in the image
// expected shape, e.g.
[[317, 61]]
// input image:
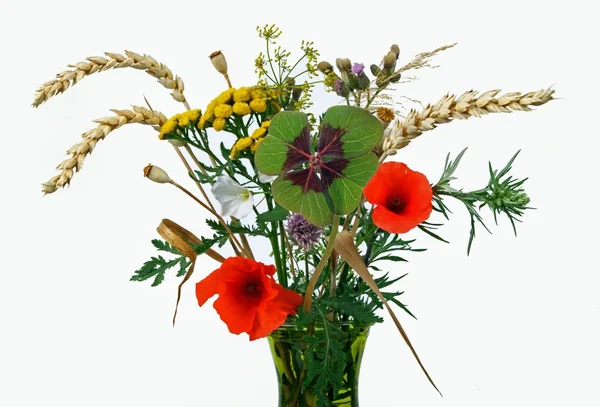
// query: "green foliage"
[[324, 356], [257, 230], [156, 267], [352, 307], [277, 214], [502, 196]]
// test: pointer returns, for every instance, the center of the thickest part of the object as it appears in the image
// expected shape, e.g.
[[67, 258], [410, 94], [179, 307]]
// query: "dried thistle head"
[[343, 64], [389, 61], [324, 67]]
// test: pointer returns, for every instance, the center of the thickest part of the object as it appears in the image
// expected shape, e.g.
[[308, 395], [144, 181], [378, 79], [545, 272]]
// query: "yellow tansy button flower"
[[219, 124], [222, 111], [258, 105], [241, 109], [241, 95], [168, 127], [265, 124], [184, 120], [224, 97], [243, 143], [194, 115], [258, 133]]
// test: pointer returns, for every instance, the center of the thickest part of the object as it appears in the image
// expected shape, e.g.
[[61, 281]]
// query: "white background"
[[515, 324]]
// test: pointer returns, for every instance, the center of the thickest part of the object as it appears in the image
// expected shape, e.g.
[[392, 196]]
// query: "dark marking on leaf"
[[330, 141], [330, 170], [299, 150], [307, 178]]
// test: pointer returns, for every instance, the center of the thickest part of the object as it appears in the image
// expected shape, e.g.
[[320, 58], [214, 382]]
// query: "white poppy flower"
[[235, 200]]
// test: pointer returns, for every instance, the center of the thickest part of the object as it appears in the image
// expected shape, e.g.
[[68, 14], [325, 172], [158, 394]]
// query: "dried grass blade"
[[345, 247]]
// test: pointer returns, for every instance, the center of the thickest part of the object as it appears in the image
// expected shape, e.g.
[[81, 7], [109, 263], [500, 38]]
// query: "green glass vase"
[[288, 350]]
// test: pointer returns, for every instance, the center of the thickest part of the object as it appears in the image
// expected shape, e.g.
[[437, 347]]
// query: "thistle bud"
[[396, 50], [324, 67], [156, 174], [375, 70], [363, 82], [219, 62], [343, 64], [389, 61]]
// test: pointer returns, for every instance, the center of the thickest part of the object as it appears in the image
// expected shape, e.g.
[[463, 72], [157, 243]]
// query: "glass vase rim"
[[342, 324]]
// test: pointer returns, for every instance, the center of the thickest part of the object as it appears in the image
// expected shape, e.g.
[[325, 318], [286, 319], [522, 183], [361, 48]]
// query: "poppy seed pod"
[[396, 50], [219, 62], [324, 67], [156, 174]]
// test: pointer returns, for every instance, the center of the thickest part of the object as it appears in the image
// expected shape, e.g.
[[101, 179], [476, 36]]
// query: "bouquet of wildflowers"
[[319, 187]]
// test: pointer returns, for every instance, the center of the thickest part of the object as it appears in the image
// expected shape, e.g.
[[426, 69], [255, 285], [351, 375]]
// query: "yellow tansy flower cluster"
[[240, 102], [251, 142], [178, 121]]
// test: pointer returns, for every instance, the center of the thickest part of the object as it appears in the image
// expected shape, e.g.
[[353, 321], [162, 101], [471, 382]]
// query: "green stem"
[[271, 63], [281, 275], [324, 260], [282, 241], [294, 67]]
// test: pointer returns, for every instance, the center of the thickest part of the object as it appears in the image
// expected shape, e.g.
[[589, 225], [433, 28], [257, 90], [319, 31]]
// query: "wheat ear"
[[105, 125], [450, 107], [95, 64]]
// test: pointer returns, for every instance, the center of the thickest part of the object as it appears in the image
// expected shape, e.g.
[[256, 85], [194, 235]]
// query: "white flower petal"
[[235, 200], [265, 179]]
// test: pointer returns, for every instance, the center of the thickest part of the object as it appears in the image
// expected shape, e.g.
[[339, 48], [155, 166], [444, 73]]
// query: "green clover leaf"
[[330, 179]]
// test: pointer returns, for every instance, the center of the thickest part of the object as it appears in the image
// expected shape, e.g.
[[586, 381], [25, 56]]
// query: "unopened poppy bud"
[[219, 62], [389, 61], [324, 67], [343, 64], [396, 50], [156, 174]]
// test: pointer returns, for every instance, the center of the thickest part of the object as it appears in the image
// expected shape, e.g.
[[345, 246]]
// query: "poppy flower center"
[[251, 288], [395, 204]]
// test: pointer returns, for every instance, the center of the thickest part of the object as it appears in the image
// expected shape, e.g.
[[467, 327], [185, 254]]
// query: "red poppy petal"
[[237, 314], [274, 313], [207, 287], [383, 182], [392, 222]]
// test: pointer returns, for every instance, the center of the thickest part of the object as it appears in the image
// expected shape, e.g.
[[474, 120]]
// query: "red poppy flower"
[[402, 197], [249, 298]]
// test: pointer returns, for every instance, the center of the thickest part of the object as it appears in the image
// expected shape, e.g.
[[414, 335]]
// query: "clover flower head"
[[302, 232]]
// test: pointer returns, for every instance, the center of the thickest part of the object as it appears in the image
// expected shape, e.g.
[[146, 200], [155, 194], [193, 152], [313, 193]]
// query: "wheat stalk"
[[105, 125], [450, 107], [91, 65]]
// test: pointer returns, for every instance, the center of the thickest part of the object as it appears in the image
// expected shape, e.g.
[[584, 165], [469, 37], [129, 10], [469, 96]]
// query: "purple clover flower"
[[358, 68], [302, 232]]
